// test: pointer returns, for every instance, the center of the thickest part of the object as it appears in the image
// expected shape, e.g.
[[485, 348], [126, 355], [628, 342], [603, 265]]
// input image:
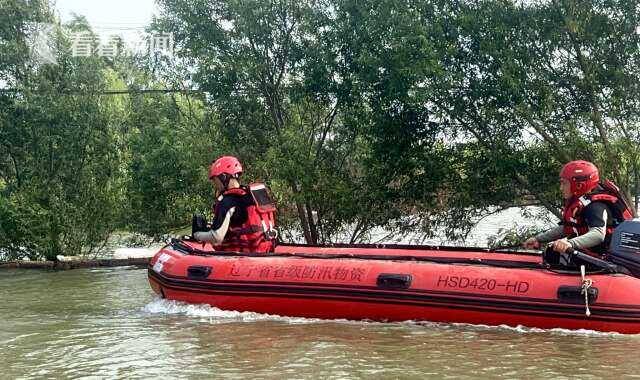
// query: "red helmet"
[[225, 165], [583, 176]]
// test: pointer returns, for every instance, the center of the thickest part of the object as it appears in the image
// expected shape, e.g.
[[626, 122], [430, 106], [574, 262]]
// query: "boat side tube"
[[181, 247]]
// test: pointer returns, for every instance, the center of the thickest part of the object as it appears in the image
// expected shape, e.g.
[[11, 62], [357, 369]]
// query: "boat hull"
[[359, 284]]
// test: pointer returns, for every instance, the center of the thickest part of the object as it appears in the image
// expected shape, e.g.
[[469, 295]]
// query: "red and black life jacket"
[[607, 193], [257, 233]]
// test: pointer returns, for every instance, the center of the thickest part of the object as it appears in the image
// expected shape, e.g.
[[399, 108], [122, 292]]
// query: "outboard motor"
[[625, 246]]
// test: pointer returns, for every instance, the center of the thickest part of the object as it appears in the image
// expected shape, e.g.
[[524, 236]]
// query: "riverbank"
[[115, 254], [74, 264]]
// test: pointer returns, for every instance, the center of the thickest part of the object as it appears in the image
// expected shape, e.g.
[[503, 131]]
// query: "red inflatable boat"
[[398, 283]]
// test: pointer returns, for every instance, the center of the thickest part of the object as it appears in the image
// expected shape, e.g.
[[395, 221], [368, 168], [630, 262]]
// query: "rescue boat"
[[400, 283]]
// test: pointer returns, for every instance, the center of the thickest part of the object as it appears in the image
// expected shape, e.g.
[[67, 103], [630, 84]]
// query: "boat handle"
[[575, 294], [394, 281], [198, 271]]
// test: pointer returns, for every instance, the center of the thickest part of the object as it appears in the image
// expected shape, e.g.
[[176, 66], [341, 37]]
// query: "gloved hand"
[[561, 245], [531, 243], [198, 224], [557, 260]]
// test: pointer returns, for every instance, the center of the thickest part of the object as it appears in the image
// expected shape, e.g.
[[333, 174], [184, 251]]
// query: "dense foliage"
[[409, 115]]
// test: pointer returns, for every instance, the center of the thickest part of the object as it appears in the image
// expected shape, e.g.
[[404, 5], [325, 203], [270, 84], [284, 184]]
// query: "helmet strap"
[[226, 178]]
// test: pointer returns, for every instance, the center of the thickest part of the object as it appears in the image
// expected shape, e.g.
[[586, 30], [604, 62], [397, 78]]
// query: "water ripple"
[[108, 324]]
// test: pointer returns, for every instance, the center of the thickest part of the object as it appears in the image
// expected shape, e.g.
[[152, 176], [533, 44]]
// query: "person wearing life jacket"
[[244, 216], [591, 212]]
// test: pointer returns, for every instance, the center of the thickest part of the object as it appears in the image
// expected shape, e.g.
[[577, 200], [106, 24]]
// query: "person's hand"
[[561, 245], [531, 243]]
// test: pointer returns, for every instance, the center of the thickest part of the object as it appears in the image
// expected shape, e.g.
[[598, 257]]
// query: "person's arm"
[[592, 238], [552, 234], [216, 236], [544, 237]]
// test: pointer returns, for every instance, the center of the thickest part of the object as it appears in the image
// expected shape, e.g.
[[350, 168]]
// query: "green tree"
[[18, 21], [557, 76], [59, 155], [170, 139], [506, 92], [275, 78]]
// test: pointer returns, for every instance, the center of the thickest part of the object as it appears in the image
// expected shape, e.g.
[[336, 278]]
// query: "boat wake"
[[214, 315], [536, 330]]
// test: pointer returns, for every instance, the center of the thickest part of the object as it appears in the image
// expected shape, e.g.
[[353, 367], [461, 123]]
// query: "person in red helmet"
[[244, 216], [591, 211]]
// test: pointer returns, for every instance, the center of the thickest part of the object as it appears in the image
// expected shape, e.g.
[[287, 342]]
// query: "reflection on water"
[[108, 323]]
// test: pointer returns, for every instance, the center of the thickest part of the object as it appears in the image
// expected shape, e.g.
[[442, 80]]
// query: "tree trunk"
[[304, 223], [312, 225]]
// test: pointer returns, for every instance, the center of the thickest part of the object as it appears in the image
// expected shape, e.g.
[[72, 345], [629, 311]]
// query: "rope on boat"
[[586, 285]]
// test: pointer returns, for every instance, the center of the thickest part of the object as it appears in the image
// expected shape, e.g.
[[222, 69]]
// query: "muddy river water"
[[107, 323]]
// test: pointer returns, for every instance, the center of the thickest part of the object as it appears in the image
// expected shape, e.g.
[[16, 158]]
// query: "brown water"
[[106, 323]]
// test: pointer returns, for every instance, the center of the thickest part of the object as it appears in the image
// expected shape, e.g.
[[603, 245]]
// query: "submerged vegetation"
[[408, 115]]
